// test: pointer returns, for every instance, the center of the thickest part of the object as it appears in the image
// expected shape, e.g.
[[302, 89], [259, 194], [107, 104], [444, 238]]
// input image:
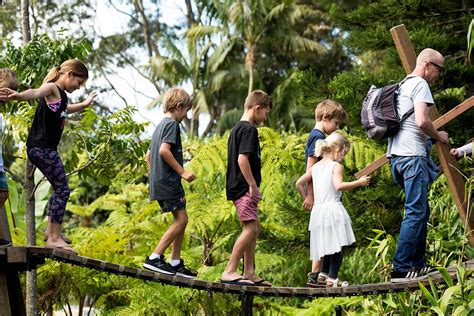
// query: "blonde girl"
[[45, 134], [330, 225]]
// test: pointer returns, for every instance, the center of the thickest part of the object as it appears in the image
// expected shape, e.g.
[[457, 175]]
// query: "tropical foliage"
[[300, 52]]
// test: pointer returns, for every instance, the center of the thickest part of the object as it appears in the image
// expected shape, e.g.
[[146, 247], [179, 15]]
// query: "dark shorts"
[[3, 182], [247, 207], [172, 205]]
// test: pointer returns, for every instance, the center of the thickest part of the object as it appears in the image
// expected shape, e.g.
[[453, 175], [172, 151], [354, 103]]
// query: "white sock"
[[154, 256], [174, 263]]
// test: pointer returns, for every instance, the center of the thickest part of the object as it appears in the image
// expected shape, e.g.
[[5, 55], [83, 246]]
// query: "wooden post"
[[449, 164], [246, 305], [11, 295]]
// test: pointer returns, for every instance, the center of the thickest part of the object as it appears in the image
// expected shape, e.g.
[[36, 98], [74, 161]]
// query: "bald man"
[[412, 167]]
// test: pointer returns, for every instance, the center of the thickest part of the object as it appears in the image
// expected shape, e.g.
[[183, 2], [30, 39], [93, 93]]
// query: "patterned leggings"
[[50, 164]]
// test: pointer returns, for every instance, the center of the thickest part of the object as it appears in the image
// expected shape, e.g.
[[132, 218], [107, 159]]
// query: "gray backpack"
[[379, 114]]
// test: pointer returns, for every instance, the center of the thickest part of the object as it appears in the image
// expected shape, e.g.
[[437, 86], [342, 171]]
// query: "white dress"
[[329, 224]]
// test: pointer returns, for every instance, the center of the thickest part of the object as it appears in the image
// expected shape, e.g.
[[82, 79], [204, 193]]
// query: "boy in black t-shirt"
[[165, 159], [242, 182]]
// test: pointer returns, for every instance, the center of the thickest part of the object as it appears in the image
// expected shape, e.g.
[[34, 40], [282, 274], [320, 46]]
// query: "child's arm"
[[165, 153], [462, 151], [244, 165], [304, 179], [346, 186], [309, 199], [72, 108], [148, 158], [30, 94]]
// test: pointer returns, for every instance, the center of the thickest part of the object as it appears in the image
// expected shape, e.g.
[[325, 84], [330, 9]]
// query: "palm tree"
[[249, 22]]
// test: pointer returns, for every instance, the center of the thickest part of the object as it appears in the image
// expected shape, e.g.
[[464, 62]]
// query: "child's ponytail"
[[73, 65], [335, 141], [321, 147]]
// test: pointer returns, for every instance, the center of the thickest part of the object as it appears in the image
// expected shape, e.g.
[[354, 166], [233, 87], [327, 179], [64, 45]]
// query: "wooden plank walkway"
[[29, 257]]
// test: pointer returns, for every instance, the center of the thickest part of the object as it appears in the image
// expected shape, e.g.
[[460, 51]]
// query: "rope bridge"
[[26, 258]]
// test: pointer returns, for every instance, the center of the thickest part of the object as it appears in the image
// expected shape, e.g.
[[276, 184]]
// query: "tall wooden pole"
[[31, 276], [448, 163]]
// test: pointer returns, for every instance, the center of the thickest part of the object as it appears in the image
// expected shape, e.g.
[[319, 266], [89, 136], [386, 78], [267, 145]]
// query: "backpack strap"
[[412, 110]]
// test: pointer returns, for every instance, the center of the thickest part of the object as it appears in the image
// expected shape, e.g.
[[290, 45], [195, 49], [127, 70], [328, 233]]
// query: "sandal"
[[330, 282], [320, 280]]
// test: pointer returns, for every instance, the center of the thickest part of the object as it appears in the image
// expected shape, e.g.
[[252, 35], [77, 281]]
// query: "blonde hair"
[[175, 99], [329, 109], [74, 65], [336, 142], [8, 79], [258, 97]]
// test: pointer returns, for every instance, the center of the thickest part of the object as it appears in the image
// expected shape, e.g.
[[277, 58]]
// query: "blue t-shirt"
[[310, 144]]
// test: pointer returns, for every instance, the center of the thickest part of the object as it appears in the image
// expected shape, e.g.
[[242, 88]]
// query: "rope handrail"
[[33, 255]]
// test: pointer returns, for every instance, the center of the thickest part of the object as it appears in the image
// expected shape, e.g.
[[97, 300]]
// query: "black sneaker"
[[398, 277], [183, 271], [158, 265], [5, 243]]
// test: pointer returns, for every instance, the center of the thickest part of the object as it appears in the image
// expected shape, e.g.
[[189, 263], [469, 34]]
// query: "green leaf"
[[428, 295]]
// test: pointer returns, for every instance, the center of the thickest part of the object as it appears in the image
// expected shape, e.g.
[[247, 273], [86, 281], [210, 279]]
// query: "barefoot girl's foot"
[[59, 244]]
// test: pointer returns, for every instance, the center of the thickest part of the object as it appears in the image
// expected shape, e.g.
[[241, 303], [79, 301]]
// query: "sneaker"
[[426, 271], [5, 243], [158, 265], [183, 271], [398, 277]]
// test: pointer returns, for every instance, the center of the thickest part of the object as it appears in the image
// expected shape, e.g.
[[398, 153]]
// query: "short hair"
[[334, 142], [428, 54], [258, 97], [176, 98], [8, 79], [329, 109]]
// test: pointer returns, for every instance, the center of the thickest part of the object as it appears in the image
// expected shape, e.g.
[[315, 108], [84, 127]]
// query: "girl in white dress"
[[329, 225]]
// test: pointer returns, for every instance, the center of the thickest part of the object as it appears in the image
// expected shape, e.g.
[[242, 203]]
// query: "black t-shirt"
[[242, 140], [165, 183], [48, 123]]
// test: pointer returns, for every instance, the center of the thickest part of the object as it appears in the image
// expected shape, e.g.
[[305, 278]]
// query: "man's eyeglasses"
[[439, 67]]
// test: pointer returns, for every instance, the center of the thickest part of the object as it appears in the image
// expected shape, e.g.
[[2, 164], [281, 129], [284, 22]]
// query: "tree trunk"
[[25, 21], [250, 64], [189, 14], [147, 32], [31, 290], [208, 260]]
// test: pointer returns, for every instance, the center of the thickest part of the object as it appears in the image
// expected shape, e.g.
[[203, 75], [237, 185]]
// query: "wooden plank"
[[454, 112], [456, 182], [17, 255], [438, 123], [404, 47], [5, 308]]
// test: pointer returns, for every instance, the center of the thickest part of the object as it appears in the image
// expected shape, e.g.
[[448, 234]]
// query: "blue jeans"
[[414, 175]]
